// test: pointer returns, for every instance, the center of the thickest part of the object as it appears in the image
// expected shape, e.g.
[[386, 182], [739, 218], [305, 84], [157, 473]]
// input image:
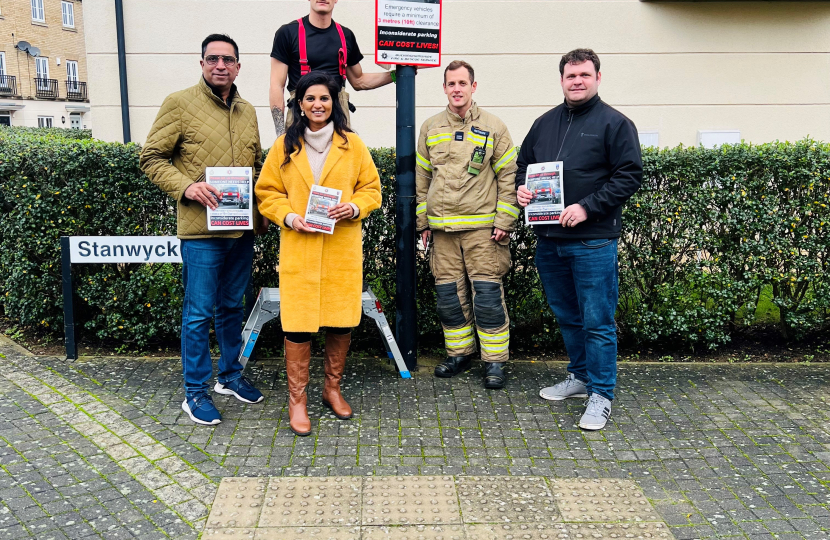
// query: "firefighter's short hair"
[[577, 56], [458, 64]]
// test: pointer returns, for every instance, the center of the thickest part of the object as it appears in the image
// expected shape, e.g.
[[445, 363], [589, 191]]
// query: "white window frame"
[[45, 121], [5, 83], [38, 13], [68, 14], [42, 67], [712, 138], [42, 62], [649, 139], [72, 79]]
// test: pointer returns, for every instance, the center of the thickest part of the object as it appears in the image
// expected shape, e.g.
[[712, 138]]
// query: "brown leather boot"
[[337, 347], [297, 359]]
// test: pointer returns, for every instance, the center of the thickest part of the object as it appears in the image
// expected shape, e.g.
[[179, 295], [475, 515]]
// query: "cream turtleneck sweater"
[[318, 145]]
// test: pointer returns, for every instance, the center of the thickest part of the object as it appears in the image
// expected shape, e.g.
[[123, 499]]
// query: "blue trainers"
[[200, 409], [241, 389]]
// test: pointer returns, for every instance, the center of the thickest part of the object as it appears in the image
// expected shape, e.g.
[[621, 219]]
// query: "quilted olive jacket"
[[195, 129]]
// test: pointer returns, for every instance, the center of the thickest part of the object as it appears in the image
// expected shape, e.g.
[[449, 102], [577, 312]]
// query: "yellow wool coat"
[[321, 275]]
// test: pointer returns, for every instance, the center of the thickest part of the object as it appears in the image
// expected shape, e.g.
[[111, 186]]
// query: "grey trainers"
[[569, 388], [596, 413]]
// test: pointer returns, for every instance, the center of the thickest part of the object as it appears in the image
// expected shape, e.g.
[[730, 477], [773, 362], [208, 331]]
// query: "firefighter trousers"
[[468, 268]]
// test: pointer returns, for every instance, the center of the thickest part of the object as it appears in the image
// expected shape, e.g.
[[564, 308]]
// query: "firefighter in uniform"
[[466, 203]]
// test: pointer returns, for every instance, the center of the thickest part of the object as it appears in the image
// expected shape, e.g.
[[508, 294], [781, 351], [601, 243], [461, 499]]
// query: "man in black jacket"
[[577, 260]]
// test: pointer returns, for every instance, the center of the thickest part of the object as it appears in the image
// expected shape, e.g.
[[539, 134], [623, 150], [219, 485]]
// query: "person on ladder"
[[316, 42], [321, 275]]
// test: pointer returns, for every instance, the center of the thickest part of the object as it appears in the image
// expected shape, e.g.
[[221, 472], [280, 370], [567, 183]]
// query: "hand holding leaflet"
[[317, 212], [230, 188], [545, 182]]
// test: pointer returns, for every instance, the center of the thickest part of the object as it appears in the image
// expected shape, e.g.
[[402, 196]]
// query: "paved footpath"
[[100, 448]]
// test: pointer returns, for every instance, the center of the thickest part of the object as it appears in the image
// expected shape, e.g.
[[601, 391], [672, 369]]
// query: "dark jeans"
[[305, 337], [581, 278], [215, 274]]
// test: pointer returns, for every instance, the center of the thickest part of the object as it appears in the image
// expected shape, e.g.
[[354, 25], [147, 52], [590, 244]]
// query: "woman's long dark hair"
[[298, 124]]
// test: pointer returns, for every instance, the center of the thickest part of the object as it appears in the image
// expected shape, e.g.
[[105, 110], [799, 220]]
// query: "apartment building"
[[43, 68]]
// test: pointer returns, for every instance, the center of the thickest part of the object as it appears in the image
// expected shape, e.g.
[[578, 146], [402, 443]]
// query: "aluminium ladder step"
[[267, 307]]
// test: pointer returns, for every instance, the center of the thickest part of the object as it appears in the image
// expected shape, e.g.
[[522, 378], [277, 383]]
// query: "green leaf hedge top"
[[710, 236]]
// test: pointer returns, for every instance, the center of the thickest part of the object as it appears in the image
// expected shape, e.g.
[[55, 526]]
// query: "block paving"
[[99, 448]]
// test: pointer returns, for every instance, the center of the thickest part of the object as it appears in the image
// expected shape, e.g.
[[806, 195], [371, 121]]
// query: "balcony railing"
[[8, 85], [46, 88], [76, 90]]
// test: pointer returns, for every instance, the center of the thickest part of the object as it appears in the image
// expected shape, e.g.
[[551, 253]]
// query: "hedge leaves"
[[708, 235]]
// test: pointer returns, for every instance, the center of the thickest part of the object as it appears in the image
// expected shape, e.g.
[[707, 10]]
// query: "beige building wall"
[[58, 44], [675, 68]]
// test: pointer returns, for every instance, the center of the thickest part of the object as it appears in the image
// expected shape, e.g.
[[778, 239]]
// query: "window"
[[72, 75], [5, 87], [37, 11], [42, 69], [45, 121], [711, 139], [68, 12], [649, 138]]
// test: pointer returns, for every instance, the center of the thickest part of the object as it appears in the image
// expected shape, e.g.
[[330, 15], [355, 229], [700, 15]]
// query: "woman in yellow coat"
[[321, 275]]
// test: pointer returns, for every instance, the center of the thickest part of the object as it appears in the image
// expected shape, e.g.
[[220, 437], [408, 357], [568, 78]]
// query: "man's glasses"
[[213, 59]]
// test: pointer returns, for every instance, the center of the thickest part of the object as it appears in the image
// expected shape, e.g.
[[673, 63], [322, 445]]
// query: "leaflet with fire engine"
[[319, 202], [544, 181], [236, 186]]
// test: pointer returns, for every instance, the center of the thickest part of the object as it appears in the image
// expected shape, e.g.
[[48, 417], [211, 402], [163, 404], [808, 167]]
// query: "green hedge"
[[53, 186], [707, 234], [712, 229], [61, 133]]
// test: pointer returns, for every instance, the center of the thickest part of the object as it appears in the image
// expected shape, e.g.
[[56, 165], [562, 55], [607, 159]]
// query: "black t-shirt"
[[321, 47]]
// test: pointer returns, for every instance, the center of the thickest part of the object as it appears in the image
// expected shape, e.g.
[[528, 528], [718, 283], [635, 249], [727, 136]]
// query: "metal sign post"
[[68, 311], [406, 319], [407, 34]]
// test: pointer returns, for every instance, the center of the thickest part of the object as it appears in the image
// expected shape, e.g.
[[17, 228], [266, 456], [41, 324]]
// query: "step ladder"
[[267, 307]]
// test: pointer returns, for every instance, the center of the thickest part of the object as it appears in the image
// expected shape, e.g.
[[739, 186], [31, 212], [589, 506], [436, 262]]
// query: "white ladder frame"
[[267, 307]]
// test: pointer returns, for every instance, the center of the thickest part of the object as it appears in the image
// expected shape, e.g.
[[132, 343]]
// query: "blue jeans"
[[581, 281], [215, 274]]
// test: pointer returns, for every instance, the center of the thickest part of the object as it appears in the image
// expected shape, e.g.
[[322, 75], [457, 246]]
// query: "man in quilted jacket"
[[208, 125]]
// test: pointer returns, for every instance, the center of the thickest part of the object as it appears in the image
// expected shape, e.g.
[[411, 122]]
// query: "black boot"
[[452, 366], [494, 377]]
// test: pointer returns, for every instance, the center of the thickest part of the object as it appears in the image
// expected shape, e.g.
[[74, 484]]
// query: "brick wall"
[[54, 40]]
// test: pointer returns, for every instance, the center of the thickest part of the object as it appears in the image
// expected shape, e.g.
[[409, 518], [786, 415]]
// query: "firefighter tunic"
[[461, 197]]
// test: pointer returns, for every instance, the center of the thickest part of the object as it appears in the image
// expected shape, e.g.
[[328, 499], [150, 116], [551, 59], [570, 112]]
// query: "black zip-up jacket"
[[603, 166]]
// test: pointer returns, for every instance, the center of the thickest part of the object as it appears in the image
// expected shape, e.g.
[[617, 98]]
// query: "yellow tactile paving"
[[432, 508], [602, 500]]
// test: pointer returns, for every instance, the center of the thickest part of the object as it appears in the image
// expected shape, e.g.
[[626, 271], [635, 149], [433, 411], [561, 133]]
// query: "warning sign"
[[408, 32]]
